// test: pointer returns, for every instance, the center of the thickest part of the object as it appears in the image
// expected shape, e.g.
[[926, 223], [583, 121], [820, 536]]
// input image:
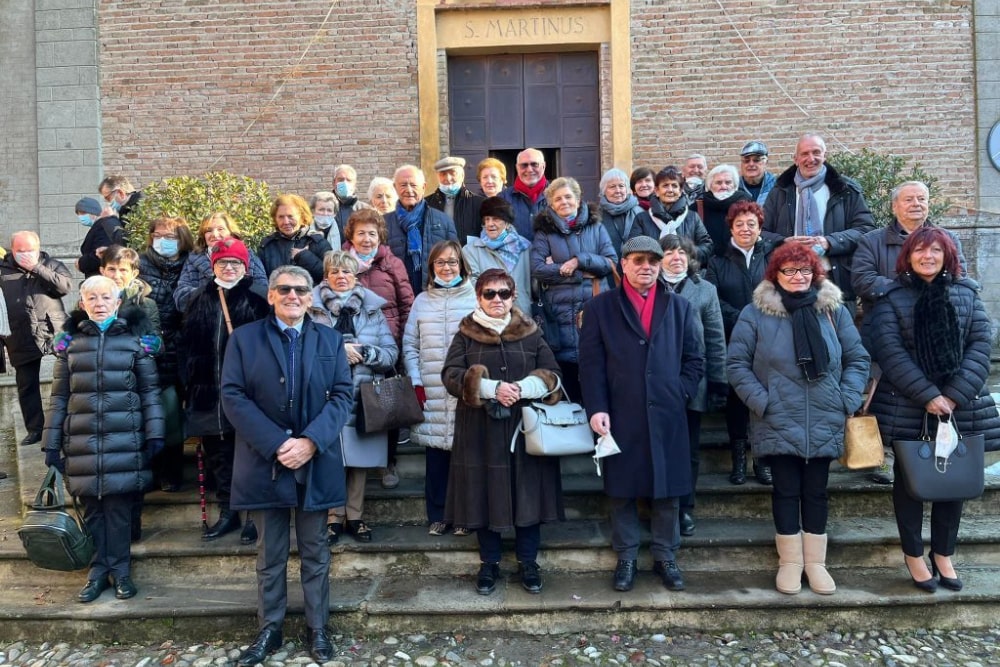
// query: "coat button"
[[642, 342], [282, 380], [288, 431]]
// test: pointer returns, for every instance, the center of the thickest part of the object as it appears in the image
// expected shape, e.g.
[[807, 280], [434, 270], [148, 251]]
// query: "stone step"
[[715, 601]]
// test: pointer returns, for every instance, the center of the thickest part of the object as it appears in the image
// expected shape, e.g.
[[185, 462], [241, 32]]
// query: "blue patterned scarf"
[[409, 222], [509, 246]]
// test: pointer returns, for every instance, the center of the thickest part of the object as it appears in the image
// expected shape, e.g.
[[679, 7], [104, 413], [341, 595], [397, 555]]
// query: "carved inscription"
[[525, 27]]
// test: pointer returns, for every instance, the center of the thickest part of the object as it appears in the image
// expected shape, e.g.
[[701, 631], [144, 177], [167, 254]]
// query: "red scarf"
[[643, 304], [533, 192]]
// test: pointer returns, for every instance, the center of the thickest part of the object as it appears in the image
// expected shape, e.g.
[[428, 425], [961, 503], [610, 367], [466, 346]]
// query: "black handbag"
[[387, 404], [54, 538], [931, 479]]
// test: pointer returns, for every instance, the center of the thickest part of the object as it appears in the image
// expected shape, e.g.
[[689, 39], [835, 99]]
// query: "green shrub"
[[878, 174], [193, 198]]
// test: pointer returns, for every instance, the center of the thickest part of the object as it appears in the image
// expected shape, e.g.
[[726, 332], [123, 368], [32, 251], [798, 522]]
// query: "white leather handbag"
[[555, 430]]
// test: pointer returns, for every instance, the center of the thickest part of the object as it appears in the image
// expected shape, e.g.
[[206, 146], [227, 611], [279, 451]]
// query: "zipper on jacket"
[[808, 439], [100, 413]]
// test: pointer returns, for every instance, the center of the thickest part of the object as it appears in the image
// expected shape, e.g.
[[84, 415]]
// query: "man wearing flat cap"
[[755, 180], [454, 199], [643, 359]]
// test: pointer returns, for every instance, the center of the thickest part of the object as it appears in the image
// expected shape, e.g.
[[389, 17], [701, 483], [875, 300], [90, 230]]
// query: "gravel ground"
[[976, 648]]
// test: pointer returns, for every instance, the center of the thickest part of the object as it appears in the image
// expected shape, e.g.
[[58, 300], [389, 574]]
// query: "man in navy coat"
[[643, 360], [286, 387]]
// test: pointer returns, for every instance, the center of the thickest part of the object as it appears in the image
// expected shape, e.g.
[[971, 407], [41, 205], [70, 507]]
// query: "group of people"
[[736, 292]]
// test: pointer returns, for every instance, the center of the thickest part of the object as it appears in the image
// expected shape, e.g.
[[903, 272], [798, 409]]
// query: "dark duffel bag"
[[54, 538]]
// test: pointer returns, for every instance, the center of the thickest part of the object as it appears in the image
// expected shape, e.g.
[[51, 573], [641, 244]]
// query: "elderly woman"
[[620, 210], [203, 341], [197, 271], [722, 190], [499, 246], [291, 243], [571, 258], [104, 424], [325, 207], [381, 195], [432, 324], [735, 274], [492, 176], [497, 361], [669, 213], [679, 270], [642, 186], [931, 336], [345, 192], [355, 312], [796, 361], [168, 245]]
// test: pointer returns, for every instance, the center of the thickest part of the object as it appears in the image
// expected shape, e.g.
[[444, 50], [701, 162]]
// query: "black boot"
[[762, 472], [229, 521], [249, 533], [739, 474]]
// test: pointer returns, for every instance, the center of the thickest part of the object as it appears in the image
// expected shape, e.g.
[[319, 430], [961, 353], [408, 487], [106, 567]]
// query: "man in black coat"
[[455, 200], [33, 286], [814, 205]]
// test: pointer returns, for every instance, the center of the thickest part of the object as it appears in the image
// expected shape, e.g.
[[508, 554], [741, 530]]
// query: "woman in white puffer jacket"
[[434, 318]]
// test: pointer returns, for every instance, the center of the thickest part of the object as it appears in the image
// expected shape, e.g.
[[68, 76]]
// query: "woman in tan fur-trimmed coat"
[[497, 361]]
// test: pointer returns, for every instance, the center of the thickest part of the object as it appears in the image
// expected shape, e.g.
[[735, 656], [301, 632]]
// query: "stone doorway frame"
[[468, 27]]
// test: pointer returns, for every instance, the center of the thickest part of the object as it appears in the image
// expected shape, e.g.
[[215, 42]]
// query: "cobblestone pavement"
[[976, 648]]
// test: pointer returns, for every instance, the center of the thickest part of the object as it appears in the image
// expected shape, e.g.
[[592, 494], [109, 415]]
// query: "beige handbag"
[[862, 440]]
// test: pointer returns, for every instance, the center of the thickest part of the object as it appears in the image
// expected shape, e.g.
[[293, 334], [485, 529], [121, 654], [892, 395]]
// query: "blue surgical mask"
[[450, 283], [450, 190], [85, 220], [369, 257], [323, 221], [104, 324], [166, 247], [115, 205], [344, 190]]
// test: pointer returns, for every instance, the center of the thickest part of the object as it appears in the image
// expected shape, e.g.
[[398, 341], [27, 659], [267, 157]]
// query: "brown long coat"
[[482, 467]]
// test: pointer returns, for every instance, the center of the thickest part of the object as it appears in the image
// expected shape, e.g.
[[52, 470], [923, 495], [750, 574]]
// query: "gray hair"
[[811, 135], [894, 195], [28, 233], [379, 181], [99, 284], [288, 270], [697, 156], [322, 196], [611, 175], [564, 182], [340, 259], [409, 167], [352, 173], [718, 169]]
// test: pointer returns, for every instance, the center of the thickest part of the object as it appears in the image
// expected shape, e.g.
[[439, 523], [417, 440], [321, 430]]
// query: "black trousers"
[[945, 519], [109, 519], [29, 394], [571, 380], [527, 540], [694, 437], [219, 459], [436, 465], [799, 491], [737, 417]]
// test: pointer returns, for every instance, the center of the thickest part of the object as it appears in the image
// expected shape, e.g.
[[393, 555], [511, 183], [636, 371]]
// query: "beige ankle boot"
[[814, 555], [789, 579]]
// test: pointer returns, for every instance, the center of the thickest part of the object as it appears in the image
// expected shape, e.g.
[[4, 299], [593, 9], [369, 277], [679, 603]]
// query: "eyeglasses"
[[284, 290], [805, 271], [526, 165], [172, 237], [231, 263], [442, 263], [490, 294]]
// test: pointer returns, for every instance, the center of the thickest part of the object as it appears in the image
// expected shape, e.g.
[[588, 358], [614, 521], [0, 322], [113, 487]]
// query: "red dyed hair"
[[741, 207], [797, 254], [923, 237]]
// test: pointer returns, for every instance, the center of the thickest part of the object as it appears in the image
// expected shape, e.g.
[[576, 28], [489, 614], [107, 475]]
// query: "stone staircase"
[[406, 580]]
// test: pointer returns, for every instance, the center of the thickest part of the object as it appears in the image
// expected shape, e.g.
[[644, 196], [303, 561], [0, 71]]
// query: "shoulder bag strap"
[[225, 310]]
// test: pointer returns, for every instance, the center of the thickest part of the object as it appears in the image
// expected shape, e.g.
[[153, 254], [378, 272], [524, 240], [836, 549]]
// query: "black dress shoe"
[[687, 524], [93, 589], [486, 580], [333, 533], [268, 641], [952, 584], [31, 438], [670, 574], [227, 523], [531, 579], [249, 533], [360, 530], [320, 646], [125, 589], [625, 575]]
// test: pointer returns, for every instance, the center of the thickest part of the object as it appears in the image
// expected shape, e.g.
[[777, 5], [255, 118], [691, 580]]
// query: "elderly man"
[[527, 193], [455, 200], [755, 180], [286, 386], [345, 188], [814, 205], [694, 170], [644, 360], [874, 269], [414, 227], [33, 287]]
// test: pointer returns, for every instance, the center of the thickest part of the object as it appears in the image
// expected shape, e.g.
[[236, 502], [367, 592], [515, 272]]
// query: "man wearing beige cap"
[[454, 199]]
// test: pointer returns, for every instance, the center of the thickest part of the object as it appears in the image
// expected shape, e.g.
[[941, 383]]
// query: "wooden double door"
[[501, 104]]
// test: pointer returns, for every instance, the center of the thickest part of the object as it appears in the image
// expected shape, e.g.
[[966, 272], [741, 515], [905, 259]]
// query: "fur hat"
[[497, 207], [231, 248]]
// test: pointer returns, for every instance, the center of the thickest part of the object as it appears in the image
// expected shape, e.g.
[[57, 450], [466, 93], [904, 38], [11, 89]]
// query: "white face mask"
[[26, 259], [227, 285], [693, 182]]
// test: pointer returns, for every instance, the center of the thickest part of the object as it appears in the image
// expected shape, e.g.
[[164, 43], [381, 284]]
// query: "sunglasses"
[[525, 165], [490, 294], [284, 290]]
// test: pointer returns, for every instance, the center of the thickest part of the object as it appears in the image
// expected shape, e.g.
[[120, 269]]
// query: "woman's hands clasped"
[[508, 394]]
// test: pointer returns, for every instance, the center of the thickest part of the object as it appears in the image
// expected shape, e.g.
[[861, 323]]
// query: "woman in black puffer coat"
[[291, 243], [104, 423], [931, 336], [202, 346]]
